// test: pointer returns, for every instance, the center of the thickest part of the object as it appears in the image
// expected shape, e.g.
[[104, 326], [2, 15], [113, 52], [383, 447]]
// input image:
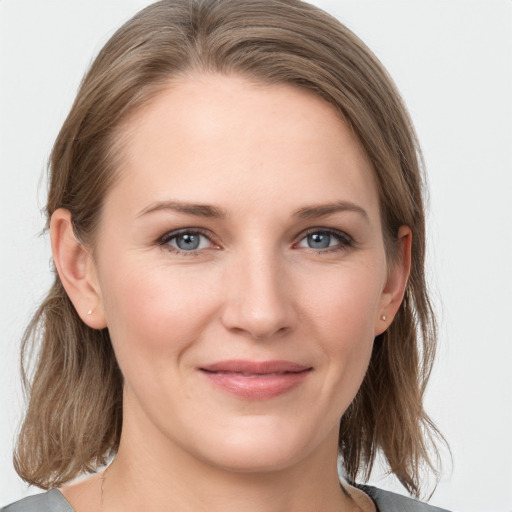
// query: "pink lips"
[[254, 380]]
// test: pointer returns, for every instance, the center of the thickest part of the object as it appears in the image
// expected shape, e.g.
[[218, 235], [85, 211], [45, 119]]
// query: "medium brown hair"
[[74, 417]]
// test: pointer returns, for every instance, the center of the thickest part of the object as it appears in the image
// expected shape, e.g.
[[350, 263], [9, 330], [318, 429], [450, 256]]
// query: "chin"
[[255, 460], [259, 448]]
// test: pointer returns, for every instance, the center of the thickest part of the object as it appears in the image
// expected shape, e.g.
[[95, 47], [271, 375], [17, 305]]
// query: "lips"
[[255, 380]]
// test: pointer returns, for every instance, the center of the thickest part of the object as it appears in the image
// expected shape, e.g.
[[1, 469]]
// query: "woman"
[[237, 227]]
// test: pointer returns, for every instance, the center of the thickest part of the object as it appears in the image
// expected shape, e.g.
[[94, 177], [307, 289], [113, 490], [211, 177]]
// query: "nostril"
[[280, 331]]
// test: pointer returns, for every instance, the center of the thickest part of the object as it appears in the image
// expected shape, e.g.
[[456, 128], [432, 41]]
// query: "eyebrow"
[[323, 210], [210, 211], [197, 209]]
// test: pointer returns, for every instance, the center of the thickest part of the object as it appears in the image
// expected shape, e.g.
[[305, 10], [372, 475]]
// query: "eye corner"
[[344, 240], [165, 241]]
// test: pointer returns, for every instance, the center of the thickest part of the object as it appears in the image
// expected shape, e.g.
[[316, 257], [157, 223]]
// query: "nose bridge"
[[258, 295]]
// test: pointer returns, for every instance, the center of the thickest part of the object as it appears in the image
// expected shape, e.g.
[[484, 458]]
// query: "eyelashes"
[[321, 240], [189, 241], [194, 241]]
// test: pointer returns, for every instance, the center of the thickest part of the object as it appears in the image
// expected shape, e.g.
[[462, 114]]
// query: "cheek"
[[345, 303], [154, 313], [343, 313]]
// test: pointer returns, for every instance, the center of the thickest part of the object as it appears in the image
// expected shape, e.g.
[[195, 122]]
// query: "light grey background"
[[452, 61]]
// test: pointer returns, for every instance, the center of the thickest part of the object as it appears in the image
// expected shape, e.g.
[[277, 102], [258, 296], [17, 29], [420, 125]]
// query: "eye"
[[326, 239], [186, 241]]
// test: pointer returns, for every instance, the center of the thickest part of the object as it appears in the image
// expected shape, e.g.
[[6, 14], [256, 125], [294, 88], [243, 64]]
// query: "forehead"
[[215, 138]]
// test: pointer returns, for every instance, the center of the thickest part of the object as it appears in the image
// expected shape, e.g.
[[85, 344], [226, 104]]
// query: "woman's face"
[[241, 271]]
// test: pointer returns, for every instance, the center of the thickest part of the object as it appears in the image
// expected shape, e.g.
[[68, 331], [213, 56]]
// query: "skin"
[[254, 289]]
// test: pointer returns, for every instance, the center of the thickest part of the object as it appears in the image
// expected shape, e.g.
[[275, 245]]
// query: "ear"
[[77, 270], [398, 275]]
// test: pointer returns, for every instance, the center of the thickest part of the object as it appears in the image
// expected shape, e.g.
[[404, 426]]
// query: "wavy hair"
[[74, 416]]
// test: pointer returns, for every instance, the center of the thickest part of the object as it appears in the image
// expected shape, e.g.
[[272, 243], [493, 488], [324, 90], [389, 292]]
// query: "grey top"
[[54, 501], [390, 502], [51, 501]]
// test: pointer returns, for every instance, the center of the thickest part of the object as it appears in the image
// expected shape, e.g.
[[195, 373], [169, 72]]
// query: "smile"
[[251, 380]]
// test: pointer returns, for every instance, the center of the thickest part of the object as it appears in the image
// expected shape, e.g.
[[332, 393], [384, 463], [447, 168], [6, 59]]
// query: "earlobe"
[[77, 271], [396, 283]]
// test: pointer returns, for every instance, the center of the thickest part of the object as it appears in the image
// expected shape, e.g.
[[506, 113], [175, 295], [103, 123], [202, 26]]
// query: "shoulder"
[[390, 502], [51, 501]]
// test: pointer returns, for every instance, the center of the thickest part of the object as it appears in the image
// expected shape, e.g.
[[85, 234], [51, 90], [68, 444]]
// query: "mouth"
[[255, 380]]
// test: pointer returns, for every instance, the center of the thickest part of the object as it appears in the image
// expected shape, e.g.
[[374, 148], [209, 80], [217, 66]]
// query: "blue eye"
[[192, 241], [324, 239], [186, 241]]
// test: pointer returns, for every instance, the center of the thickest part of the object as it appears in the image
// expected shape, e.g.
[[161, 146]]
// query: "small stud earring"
[[383, 318], [89, 312]]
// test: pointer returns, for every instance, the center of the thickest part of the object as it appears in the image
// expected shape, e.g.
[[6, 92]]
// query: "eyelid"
[[346, 241], [167, 237]]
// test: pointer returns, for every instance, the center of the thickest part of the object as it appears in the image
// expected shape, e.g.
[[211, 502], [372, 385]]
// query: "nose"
[[258, 298]]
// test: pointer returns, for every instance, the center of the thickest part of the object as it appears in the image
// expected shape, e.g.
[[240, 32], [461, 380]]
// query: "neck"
[[147, 477]]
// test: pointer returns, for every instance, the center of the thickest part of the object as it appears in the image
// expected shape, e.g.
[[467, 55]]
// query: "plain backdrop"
[[452, 61]]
